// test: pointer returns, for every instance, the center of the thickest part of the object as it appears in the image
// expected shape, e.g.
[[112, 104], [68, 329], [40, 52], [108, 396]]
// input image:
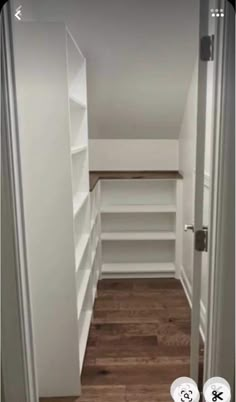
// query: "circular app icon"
[[184, 389], [217, 389]]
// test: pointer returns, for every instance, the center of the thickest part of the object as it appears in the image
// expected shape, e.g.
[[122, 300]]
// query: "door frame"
[[204, 12], [222, 215], [18, 371]]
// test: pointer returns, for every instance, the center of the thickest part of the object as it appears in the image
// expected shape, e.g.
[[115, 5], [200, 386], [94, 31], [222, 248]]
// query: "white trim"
[[207, 179], [188, 292], [179, 228], [219, 352]]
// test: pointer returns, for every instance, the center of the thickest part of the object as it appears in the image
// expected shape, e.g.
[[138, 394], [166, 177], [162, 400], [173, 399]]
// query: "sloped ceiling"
[[140, 57]]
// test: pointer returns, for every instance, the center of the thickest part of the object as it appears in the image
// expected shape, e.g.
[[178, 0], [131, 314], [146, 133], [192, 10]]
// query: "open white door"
[[220, 328], [200, 235], [211, 50]]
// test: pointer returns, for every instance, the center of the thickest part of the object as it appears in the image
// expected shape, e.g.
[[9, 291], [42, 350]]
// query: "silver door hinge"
[[207, 48], [201, 239]]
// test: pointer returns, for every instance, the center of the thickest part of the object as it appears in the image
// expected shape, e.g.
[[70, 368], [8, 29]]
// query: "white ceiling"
[[140, 56]]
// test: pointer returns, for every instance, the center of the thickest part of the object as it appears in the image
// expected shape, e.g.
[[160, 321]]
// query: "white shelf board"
[[94, 252], [93, 221], [76, 150], [94, 291], [93, 255], [137, 208], [77, 100], [79, 201], [84, 337], [80, 249], [135, 268], [82, 290], [92, 224], [139, 236]]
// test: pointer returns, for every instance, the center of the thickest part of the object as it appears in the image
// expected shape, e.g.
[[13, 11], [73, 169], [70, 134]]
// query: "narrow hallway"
[[139, 341]]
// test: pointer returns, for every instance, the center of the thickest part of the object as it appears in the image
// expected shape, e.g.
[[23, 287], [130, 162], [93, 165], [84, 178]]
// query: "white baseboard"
[[136, 276], [188, 292], [135, 270]]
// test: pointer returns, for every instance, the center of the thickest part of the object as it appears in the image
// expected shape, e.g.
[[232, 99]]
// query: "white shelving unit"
[[62, 228], [122, 228], [82, 212], [139, 228]]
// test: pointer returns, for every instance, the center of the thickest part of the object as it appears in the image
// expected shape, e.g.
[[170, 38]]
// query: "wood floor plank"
[[131, 375], [112, 330], [153, 302], [62, 399], [144, 316]]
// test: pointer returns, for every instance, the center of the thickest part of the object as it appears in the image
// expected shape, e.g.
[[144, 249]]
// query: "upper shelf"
[[138, 208], [80, 102], [95, 176], [138, 236], [75, 150]]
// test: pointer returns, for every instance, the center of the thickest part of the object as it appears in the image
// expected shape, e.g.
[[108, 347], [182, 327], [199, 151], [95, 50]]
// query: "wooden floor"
[[139, 341]]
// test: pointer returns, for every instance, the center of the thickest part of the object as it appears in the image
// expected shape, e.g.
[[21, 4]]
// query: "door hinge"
[[207, 48], [201, 239]]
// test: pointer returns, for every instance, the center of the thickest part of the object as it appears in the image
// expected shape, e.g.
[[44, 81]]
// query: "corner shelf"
[[138, 227]]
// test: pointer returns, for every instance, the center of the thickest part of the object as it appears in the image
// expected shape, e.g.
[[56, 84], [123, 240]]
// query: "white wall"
[[134, 154], [140, 55]]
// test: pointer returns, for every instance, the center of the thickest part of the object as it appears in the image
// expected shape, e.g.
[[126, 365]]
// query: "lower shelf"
[[85, 275], [139, 270], [84, 337], [80, 249]]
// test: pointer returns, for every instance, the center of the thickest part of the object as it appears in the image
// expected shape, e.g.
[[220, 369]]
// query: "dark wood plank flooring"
[[139, 341]]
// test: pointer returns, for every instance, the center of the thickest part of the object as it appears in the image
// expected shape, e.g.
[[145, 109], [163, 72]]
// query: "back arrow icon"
[[18, 13]]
